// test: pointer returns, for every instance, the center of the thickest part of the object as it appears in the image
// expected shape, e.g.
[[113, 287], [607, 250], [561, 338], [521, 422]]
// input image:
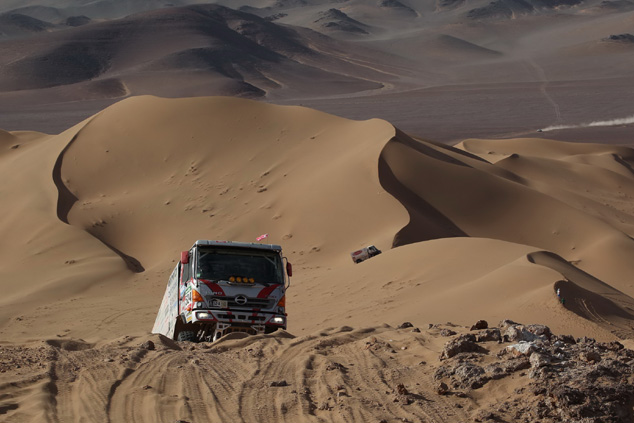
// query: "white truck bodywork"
[[364, 253], [222, 286]]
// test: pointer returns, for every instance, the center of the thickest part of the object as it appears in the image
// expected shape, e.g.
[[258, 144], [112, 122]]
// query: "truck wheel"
[[187, 335]]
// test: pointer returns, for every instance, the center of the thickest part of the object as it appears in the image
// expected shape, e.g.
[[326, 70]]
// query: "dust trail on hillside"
[[614, 122], [541, 75]]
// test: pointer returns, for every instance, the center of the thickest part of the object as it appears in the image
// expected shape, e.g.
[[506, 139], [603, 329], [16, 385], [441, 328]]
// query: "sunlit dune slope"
[[147, 177], [450, 194], [95, 218]]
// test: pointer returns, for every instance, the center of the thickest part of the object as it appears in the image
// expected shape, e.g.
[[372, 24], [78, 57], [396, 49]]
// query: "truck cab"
[[219, 287]]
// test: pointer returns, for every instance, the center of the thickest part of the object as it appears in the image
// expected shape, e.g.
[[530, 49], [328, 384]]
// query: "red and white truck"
[[219, 287], [364, 253]]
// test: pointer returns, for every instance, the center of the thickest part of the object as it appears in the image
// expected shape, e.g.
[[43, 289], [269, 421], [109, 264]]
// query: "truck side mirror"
[[184, 257], [289, 269]]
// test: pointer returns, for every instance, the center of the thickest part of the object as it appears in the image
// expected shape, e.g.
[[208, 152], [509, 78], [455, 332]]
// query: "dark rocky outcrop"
[[338, 20], [397, 5], [572, 380], [77, 20], [463, 343], [622, 38]]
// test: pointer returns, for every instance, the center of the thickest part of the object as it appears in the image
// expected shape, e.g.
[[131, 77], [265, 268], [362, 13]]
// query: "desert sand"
[[96, 216], [484, 146]]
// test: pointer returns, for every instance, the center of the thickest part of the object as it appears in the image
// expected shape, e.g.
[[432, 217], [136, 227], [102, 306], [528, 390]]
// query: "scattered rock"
[[590, 356], [442, 388], [148, 345], [401, 389], [586, 340], [522, 348], [278, 383], [484, 416], [539, 360], [480, 324], [324, 406], [580, 381], [336, 366], [447, 332], [463, 343], [405, 325], [470, 375], [567, 339], [486, 335]]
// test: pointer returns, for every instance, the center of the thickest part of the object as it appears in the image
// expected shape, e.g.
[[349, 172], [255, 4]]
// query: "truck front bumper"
[[240, 318]]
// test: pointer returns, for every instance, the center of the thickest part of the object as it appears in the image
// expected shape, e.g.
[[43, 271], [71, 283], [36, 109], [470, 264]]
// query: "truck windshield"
[[229, 264]]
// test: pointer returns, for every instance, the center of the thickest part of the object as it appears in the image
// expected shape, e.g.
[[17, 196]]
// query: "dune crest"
[[484, 230], [129, 188]]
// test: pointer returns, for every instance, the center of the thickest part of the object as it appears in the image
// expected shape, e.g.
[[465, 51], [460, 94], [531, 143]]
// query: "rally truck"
[[364, 254], [219, 287]]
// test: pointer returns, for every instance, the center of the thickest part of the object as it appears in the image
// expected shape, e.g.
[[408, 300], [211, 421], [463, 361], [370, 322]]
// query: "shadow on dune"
[[588, 296], [66, 200], [425, 221], [626, 164]]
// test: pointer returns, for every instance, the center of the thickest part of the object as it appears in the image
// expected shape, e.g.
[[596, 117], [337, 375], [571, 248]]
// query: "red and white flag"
[[261, 237]]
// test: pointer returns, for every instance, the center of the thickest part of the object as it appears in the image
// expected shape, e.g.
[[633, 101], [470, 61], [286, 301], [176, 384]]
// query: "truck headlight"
[[203, 315], [277, 320]]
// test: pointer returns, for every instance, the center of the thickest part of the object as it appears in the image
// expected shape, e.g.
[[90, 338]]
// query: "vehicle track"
[[541, 75], [339, 375]]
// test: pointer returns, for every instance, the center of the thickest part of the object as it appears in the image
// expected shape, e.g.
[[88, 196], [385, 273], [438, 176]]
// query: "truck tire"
[[187, 335]]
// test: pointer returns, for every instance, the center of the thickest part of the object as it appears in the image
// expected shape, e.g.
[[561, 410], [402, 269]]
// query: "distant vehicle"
[[540, 130], [364, 253], [219, 287]]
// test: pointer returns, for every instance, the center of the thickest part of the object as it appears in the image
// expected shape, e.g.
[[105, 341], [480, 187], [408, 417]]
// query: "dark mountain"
[[513, 8], [501, 9], [214, 42], [77, 20], [335, 19], [398, 6], [621, 38], [16, 23]]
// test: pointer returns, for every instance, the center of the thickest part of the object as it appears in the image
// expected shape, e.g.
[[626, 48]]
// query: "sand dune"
[[97, 206], [289, 172], [489, 229]]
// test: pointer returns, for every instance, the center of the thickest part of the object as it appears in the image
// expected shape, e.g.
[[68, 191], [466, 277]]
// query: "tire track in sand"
[[541, 75], [337, 375], [346, 375]]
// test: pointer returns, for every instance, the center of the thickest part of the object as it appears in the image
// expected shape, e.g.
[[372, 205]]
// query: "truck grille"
[[260, 303]]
